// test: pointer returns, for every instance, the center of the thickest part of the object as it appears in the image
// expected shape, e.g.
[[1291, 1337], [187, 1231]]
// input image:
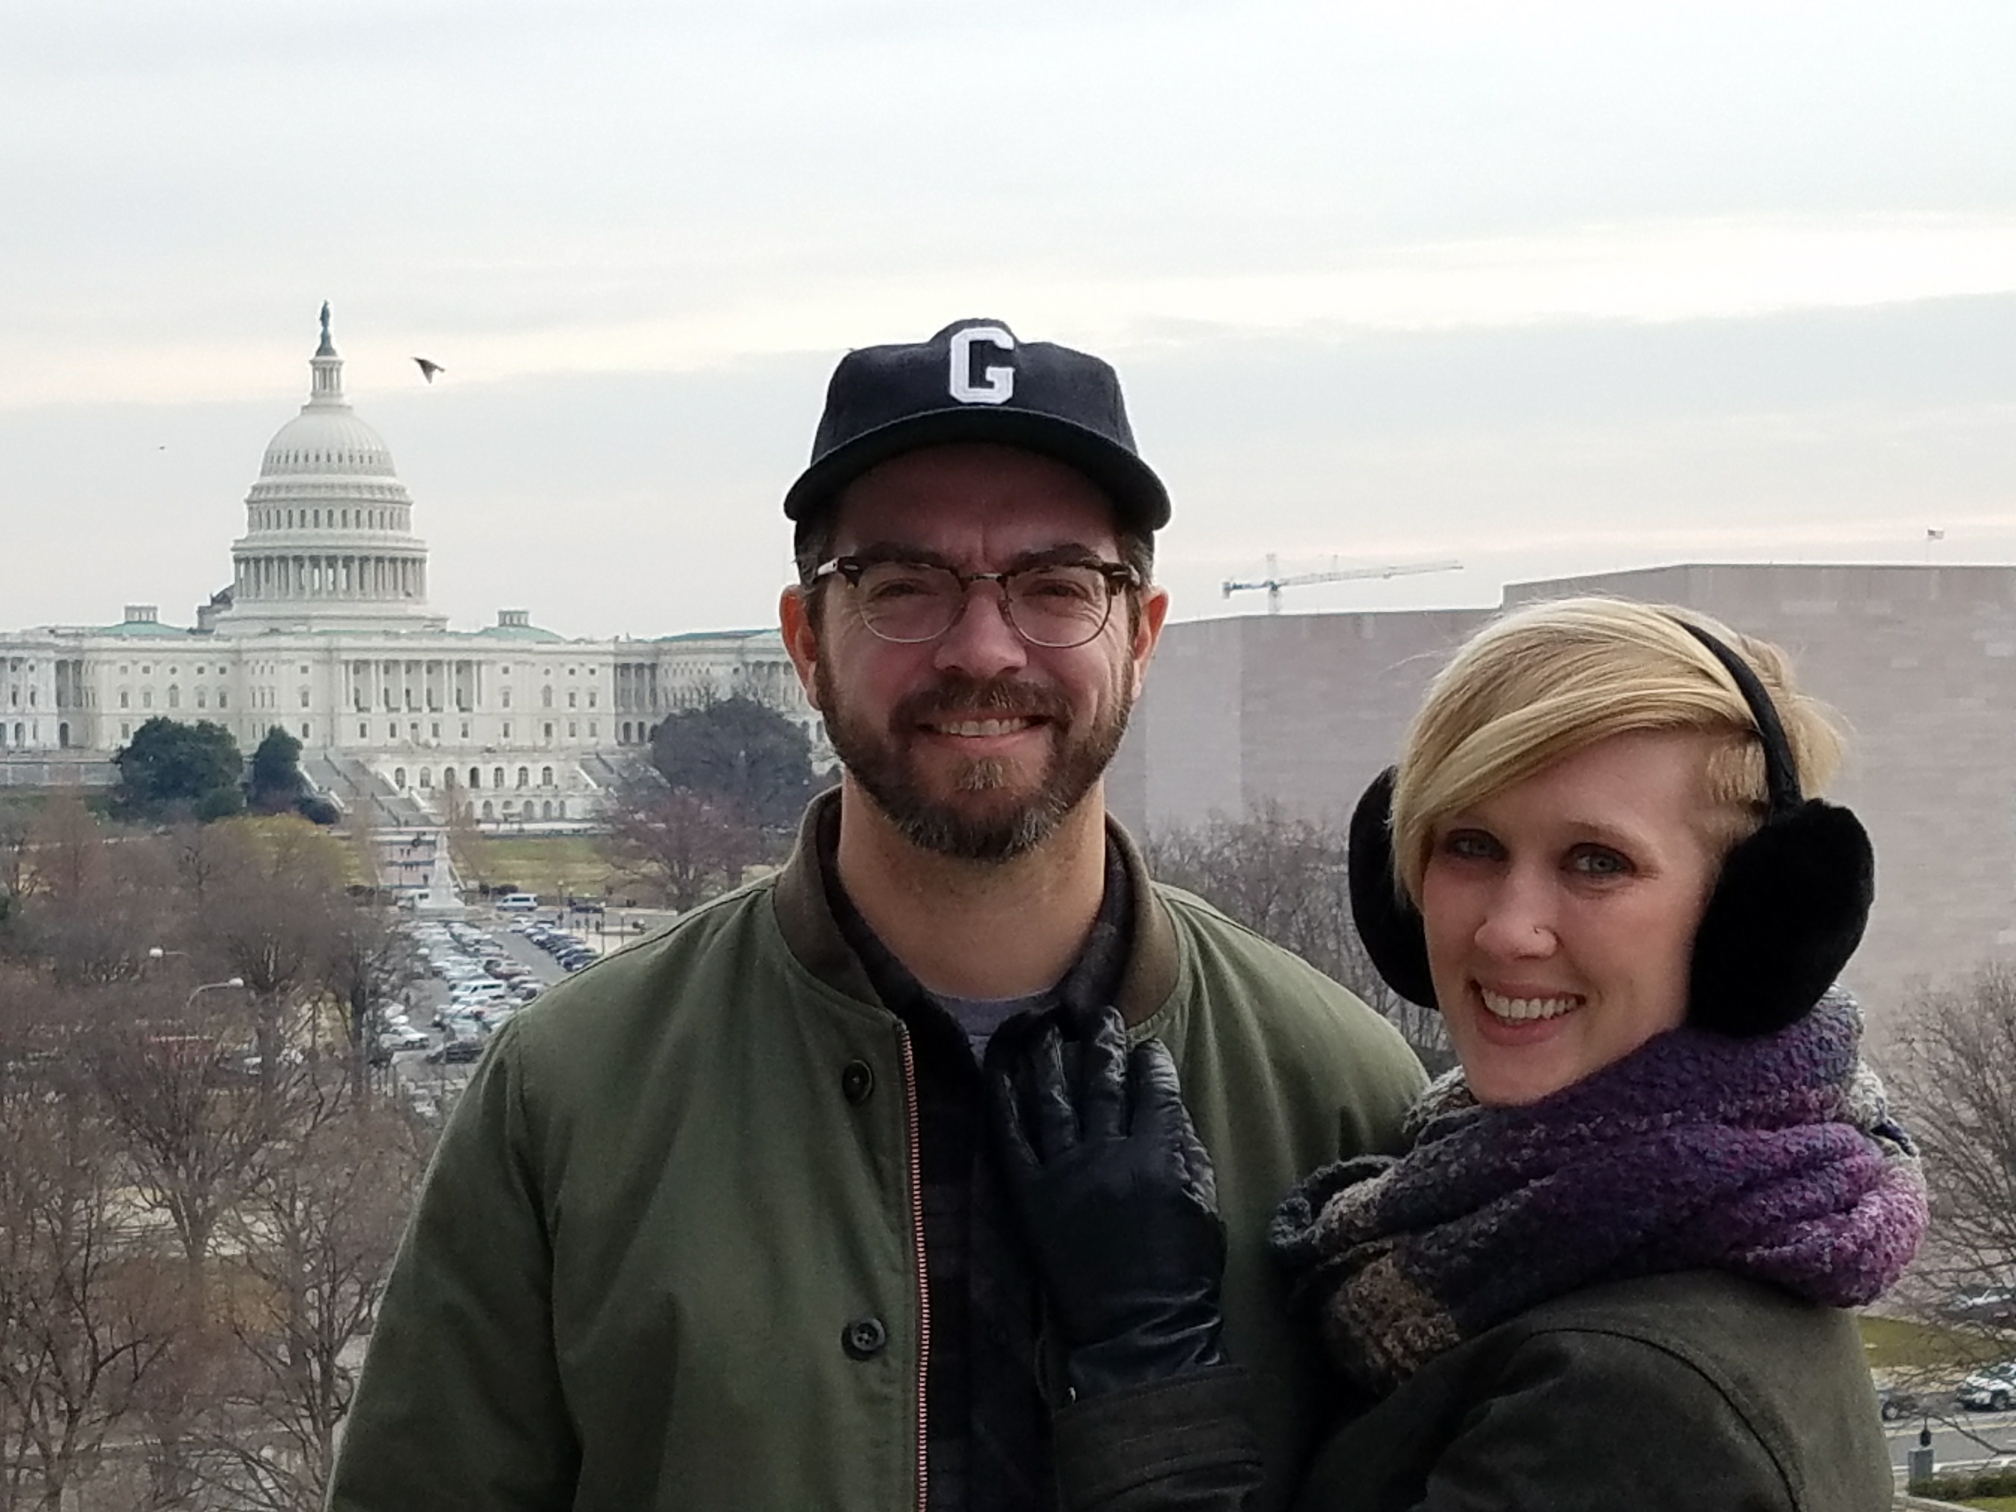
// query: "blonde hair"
[[1553, 678]]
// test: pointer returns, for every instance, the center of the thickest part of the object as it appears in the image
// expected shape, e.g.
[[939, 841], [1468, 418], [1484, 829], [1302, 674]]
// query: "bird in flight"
[[429, 369]]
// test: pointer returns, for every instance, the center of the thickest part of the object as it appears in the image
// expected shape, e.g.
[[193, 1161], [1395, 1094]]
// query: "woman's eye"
[[1469, 845], [1597, 861]]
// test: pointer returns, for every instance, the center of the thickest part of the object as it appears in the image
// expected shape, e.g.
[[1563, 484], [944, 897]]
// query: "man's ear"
[[1148, 630], [801, 641]]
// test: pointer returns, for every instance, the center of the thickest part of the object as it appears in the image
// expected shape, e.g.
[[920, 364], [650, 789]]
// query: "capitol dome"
[[325, 439], [329, 540]]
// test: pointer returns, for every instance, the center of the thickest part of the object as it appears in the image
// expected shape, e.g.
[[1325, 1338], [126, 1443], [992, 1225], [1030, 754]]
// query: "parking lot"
[[480, 970]]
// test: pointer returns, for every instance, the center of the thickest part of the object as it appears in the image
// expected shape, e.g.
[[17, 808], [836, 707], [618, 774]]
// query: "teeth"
[[1518, 1010], [979, 727]]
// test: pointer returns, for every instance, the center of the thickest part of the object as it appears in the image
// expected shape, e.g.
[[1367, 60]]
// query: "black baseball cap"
[[974, 381]]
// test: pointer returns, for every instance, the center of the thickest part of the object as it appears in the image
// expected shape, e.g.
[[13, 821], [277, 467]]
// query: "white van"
[[517, 903]]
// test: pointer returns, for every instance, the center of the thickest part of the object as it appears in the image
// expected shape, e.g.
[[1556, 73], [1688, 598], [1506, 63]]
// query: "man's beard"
[[886, 771]]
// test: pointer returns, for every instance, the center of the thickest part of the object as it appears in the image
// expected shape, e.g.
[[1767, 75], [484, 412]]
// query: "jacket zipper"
[[917, 1242]]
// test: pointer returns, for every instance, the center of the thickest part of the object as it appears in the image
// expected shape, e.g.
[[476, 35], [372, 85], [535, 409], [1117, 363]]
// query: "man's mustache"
[[955, 697]]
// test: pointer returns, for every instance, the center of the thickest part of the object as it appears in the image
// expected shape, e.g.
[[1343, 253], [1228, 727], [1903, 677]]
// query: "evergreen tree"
[[171, 767], [277, 785], [741, 756]]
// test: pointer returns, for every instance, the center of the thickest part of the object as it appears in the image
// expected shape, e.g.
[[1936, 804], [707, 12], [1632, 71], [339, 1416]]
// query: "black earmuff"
[[1786, 914]]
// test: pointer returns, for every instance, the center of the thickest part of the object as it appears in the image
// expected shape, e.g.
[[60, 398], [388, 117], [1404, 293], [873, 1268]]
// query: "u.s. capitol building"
[[325, 631]]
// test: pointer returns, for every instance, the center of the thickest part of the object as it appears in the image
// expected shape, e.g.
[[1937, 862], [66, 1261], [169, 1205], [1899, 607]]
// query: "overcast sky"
[[1541, 288]]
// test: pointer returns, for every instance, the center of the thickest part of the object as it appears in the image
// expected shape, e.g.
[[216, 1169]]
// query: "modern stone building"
[[325, 631], [1920, 661]]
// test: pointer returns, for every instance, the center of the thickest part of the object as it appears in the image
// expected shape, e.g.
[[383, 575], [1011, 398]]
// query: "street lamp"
[[190, 1001]]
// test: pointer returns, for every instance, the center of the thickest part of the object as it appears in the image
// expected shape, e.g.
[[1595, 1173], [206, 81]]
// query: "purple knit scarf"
[[1774, 1158]]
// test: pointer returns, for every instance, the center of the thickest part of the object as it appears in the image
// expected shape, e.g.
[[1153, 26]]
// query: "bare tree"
[[87, 1314], [1954, 1073], [467, 843], [192, 1123], [269, 910], [1285, 877], [91, 901], [315, 1243], [675, 843], [370, 959]]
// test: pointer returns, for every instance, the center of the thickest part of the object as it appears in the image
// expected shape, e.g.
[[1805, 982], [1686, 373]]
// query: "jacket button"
[[864, 1338], [857, 1080]]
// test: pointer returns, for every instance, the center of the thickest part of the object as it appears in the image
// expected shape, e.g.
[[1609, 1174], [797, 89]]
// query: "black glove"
[[1117, 1198]]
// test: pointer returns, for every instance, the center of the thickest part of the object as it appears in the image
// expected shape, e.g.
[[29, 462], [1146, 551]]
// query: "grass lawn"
[[1902, 1344], [1992, 1504], [550, 865]]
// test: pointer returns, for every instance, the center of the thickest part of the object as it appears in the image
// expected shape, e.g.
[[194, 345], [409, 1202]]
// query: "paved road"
[[1958, 1436]]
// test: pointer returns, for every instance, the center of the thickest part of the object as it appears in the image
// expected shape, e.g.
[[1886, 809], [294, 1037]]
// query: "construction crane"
[[1274, 582]]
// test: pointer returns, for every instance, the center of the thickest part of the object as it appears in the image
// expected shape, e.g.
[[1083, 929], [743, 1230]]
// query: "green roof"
[[519, 633], [700, 635], [140, 628]]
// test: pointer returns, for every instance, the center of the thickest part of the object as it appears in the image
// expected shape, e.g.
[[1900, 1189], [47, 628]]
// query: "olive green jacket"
[[1694, 1392], [667, 1254]]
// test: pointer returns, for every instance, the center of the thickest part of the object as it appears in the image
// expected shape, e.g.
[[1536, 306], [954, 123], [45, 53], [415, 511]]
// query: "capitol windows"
[[549, 729], [465, 729], [304, 730], [399, 778], [363, 731], [591, 698], [125, 730], [573, 730], [497, 777], [304, 698], [202, 699], [223, 699], [488, 813], [507, 698], [426, 778], [125, 699], [524, 776], [572, 697], [507, 729], [435, 730], [545, 776], [593, 730], [146, 698], [545, 698]]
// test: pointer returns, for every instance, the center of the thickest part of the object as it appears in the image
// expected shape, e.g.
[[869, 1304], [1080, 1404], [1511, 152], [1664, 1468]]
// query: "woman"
[[1612, 1269]]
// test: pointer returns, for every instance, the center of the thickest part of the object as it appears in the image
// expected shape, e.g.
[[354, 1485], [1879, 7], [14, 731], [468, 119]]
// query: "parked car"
[[1988, 1304], [455, 1052], [1894, 1402], [1991, 1388]]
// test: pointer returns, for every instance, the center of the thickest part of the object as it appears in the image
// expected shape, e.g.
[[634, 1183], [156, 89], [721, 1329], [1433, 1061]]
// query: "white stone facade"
[[325, 631]]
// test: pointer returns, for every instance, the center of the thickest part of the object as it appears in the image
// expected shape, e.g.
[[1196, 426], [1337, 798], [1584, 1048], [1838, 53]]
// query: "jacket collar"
[[814, 937]]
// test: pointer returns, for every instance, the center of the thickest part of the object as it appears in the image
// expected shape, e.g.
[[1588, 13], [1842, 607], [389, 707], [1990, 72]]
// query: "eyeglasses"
[[1058, 605]]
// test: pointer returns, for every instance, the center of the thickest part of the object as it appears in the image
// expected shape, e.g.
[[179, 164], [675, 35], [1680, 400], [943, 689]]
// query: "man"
[[716, 1224]]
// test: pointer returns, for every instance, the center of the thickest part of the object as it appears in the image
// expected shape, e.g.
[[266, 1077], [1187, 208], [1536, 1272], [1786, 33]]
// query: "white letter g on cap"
[[997, 384]]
